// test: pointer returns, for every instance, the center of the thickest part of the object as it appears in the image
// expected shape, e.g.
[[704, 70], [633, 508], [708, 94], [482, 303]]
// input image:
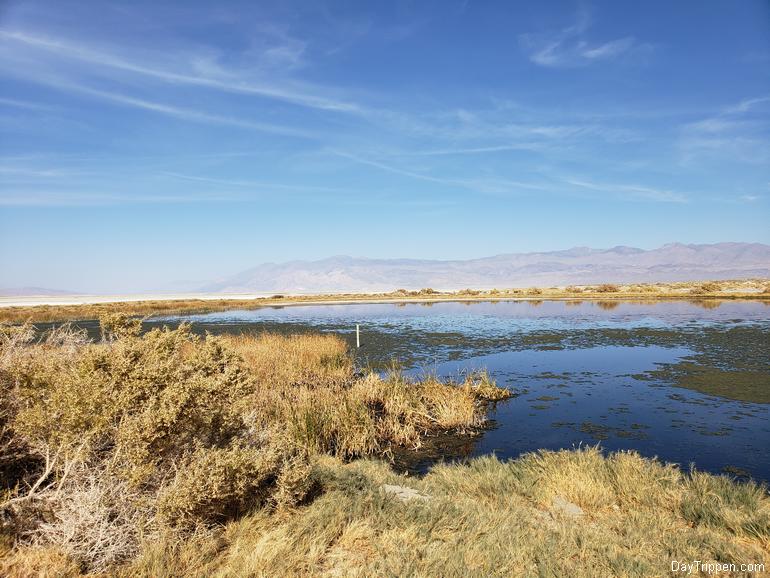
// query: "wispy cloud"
[[172, 111], [569, 47], [250, 183], [58, 198], [491, 186], [747, 104], [530, 146], [630, 191], [739, 132], [208, 75], [570, 186], [12, 102]]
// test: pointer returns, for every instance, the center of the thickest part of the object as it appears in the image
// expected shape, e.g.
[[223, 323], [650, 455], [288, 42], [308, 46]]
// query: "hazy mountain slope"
[[32, 291], [581, 265]]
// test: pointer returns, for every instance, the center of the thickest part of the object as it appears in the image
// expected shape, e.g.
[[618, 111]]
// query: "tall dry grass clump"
[[308, 359]]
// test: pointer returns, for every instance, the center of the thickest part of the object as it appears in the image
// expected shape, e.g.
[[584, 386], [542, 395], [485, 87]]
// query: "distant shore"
[[40, 308]]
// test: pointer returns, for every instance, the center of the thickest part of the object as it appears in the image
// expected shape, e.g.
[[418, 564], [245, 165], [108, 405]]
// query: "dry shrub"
[[117, 325], [139, 431], [644, 288], [706, 288], [607, 288], [152, 397], [96, 518], [217, 485], [574, 289], [534, 291]]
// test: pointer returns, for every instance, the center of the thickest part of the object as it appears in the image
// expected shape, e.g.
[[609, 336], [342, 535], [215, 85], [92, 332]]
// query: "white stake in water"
[[358, 336]]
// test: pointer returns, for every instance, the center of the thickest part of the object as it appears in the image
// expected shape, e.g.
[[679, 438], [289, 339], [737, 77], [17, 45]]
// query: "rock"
[[566, 507], [403, 493]]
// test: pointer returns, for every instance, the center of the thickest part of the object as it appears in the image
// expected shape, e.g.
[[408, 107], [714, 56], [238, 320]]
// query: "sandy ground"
[[32, 300], [744, 288], [19, 301]]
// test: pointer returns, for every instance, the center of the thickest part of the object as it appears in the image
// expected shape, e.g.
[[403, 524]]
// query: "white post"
[[358, 336]]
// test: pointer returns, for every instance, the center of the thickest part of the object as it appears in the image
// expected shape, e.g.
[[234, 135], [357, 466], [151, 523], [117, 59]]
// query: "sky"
[[158, 145]]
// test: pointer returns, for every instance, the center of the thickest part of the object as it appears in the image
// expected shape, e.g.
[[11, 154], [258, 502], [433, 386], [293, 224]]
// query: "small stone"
[[403, 493], [566, 507]]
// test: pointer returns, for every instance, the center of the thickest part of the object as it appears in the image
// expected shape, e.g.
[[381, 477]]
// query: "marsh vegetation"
[[110, 443], [167, 453]]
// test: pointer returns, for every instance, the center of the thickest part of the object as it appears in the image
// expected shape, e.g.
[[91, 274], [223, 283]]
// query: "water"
[[688, 382]]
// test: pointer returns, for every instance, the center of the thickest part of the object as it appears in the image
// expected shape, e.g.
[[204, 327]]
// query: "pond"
[[688, 382]]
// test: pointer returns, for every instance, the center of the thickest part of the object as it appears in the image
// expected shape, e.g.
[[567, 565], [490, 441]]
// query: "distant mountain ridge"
[[576, 266], [32, 291]]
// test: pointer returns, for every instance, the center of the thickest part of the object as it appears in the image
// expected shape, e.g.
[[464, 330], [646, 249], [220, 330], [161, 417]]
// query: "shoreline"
[[363, 299], [72, 307]]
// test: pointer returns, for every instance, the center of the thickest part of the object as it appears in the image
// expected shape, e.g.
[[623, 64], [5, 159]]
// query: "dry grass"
[[489, 518], [311, 359], [728, 289], [108, 445]]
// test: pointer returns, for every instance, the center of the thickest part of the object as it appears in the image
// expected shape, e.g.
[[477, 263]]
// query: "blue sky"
[[146, 143]]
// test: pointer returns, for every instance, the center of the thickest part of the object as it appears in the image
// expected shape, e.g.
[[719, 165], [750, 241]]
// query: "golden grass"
[[728, 289], [311, 359], [488, 518]]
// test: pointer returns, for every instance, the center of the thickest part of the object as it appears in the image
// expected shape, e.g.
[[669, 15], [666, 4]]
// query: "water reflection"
[[587, 396]]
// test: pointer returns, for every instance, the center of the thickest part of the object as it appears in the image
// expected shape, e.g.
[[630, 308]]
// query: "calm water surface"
[[688, 382]]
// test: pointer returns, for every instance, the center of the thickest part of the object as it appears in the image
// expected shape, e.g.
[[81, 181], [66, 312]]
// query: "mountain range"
[[577, 266], [32, 291]]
